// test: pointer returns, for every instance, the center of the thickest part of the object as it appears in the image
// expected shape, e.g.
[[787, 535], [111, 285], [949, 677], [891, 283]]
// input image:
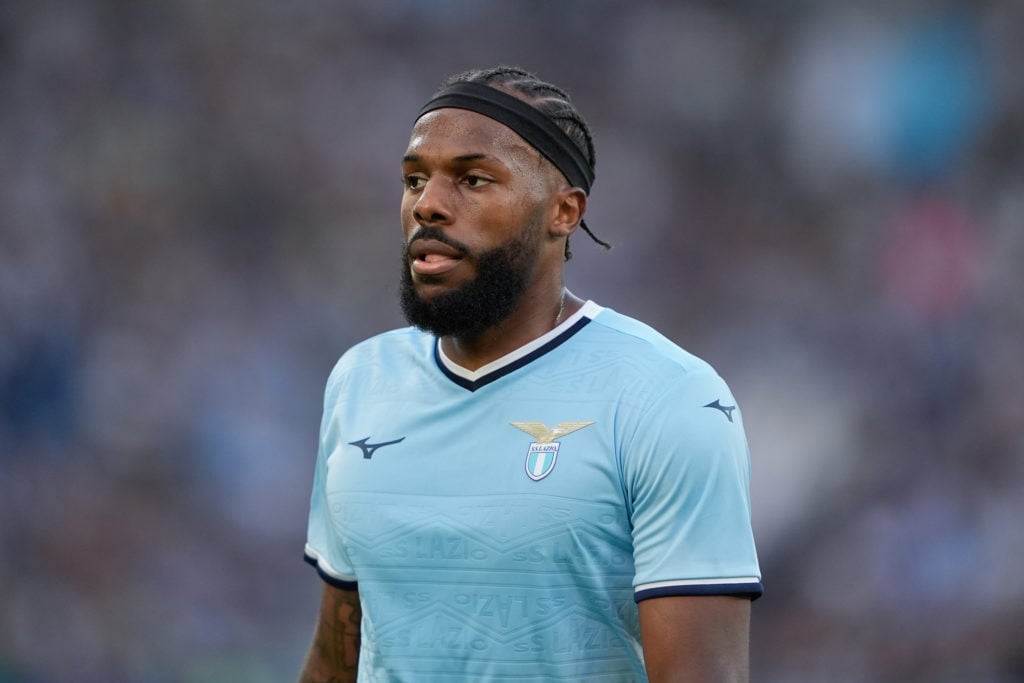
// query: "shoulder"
[[393, 352], [656, 376], [645, 349], [392, 342]]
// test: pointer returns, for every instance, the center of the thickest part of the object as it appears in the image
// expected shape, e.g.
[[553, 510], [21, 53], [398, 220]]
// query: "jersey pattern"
[[502, 524]]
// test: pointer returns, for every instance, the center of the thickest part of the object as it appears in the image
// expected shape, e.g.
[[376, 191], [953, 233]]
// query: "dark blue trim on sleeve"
[[337, 583], [747, 590]]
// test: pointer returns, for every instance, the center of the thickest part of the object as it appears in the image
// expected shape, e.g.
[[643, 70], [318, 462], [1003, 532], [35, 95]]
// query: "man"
[[523, 485]]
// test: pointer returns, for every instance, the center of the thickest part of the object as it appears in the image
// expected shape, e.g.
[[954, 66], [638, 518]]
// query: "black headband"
[[528, 122]]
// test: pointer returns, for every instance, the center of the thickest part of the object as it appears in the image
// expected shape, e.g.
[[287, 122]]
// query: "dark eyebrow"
[[473, 156]]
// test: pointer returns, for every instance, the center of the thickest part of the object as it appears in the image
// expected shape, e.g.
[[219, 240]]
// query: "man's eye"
[[414, 182], [475, 181]]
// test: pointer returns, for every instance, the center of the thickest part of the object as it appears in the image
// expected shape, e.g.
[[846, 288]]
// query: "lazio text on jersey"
[[502, 524]]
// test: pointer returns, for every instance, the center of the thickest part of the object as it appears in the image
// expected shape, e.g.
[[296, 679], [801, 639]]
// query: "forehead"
[[456, 132]]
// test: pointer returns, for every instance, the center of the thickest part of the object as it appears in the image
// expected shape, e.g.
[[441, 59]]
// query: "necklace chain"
[[561, 309]]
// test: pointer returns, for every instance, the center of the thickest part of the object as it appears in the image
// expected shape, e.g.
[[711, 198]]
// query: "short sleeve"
[[323, 547], [687, 474]]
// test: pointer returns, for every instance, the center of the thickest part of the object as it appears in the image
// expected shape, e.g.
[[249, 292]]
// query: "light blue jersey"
[[502, 524]]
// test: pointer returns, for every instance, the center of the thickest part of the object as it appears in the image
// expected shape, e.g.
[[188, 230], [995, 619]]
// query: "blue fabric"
[[507, 528]]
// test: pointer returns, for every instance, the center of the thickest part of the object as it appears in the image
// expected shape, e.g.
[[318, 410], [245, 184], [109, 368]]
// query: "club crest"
[[540, 459]]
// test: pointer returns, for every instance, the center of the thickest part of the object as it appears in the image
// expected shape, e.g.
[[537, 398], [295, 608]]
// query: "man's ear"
[[569, 206]]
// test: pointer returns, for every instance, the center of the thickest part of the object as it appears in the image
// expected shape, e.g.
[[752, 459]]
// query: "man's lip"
[[420, 249], [433, 257]]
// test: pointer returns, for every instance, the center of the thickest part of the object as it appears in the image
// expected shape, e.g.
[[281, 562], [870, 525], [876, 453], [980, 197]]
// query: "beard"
[[502, 276]]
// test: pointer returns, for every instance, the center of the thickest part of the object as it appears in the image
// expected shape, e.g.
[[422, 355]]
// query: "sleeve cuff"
[[749, 587], [328, 573]]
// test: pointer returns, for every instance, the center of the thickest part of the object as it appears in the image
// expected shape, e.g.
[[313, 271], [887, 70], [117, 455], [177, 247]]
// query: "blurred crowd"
[[199, 213]]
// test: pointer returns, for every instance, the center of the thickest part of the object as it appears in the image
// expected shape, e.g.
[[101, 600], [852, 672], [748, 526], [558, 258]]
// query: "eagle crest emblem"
[[543, 453]]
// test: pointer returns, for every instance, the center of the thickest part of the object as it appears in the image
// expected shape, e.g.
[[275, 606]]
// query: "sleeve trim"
[[744, 586], [327, 572]]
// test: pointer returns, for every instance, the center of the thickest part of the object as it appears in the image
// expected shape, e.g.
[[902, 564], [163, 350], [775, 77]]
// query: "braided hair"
[[548, 99]]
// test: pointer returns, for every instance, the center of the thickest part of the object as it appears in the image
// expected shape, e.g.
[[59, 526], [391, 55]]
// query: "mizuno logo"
[[369, 449], [543, 453], [726, 410]]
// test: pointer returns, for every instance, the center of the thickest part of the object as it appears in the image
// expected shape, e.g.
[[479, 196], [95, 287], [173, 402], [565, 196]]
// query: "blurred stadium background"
[[200, 212]]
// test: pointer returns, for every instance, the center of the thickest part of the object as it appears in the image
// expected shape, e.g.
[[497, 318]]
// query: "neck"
[[530, 320]]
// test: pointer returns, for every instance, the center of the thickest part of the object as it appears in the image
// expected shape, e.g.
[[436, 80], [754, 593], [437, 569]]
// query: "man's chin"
[[427, 290], [444, 310]]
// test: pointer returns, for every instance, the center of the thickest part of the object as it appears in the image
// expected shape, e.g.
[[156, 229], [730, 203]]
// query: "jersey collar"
[[525, 354]]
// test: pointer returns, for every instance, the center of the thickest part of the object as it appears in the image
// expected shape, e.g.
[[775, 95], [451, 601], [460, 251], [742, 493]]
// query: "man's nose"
[[434, 202]]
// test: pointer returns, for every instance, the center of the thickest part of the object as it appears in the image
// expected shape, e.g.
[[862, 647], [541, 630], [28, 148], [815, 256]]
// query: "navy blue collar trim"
[[473, 385]]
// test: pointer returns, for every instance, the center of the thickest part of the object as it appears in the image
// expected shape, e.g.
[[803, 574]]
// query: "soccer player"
[[522, 485]]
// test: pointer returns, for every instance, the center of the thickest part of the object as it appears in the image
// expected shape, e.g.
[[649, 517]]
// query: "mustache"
[[429, 232]]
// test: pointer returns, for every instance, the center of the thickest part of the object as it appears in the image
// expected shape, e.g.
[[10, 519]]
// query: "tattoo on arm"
[[334, 656], [344, 635]]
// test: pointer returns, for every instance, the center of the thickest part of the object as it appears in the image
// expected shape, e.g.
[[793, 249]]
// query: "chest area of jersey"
[[486, 487], [464, 447]]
